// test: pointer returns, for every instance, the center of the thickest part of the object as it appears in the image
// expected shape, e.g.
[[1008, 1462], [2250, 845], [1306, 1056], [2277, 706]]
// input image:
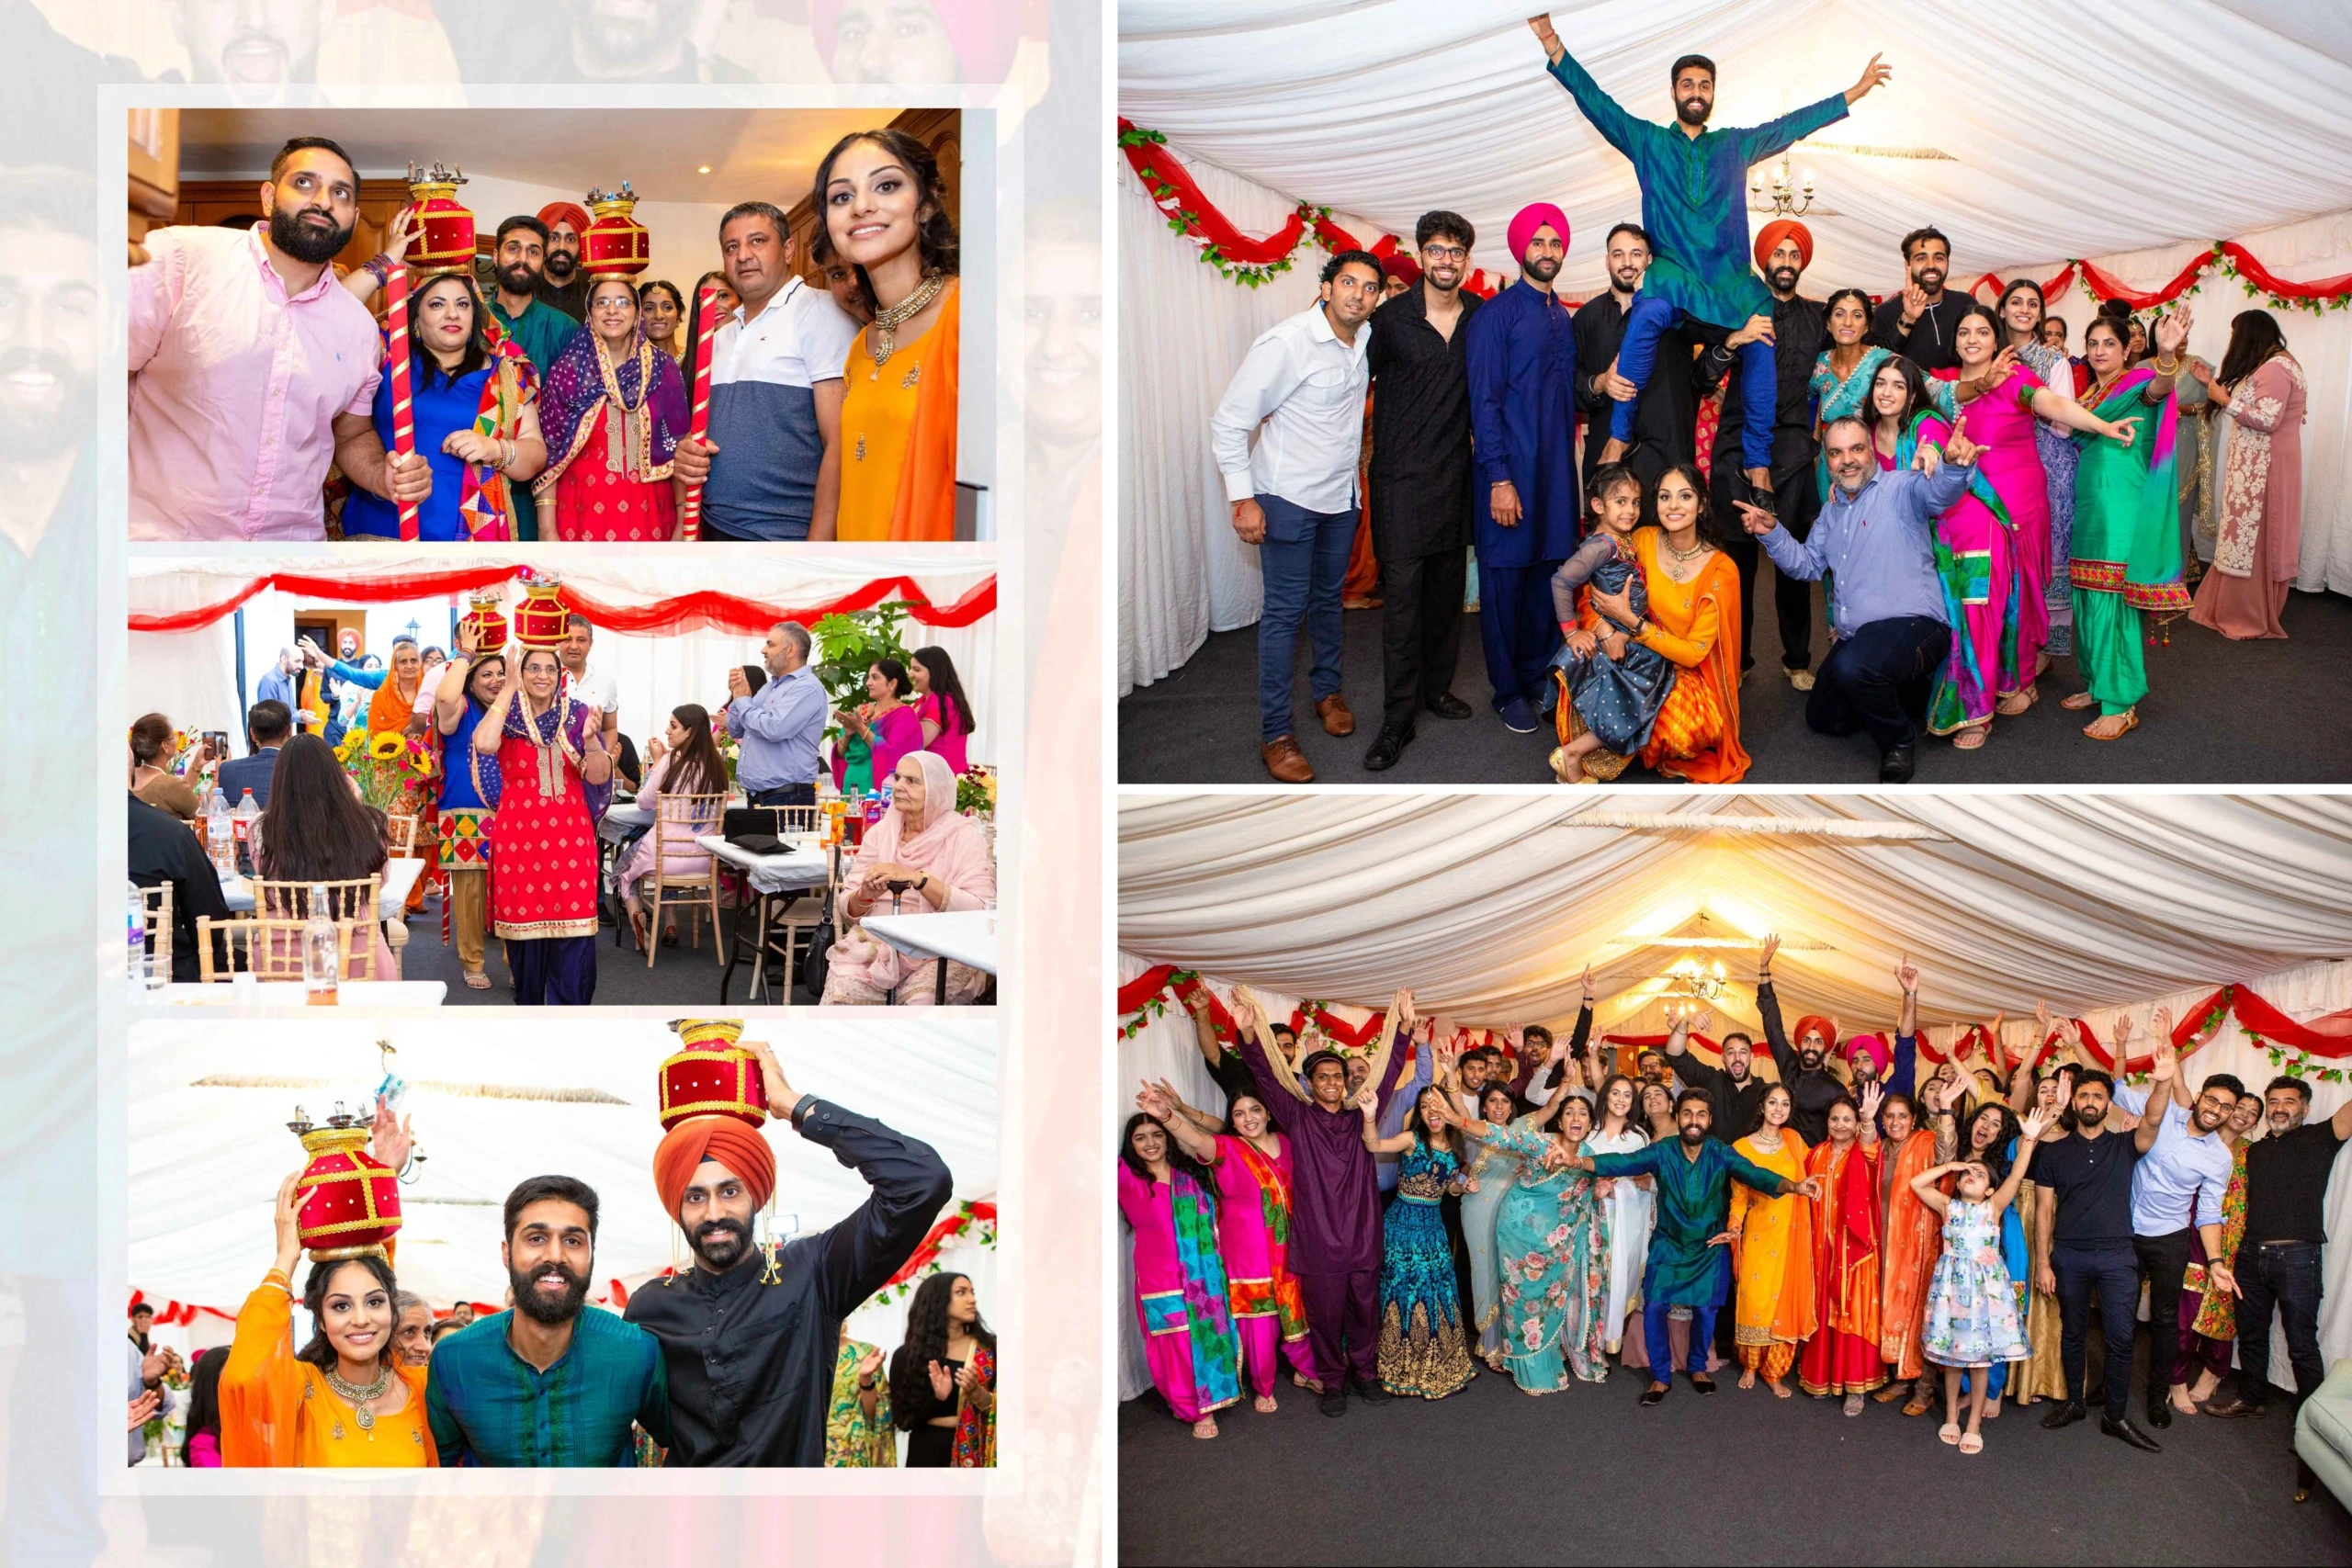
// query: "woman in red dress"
[[552, 782], [612, 410], [1842, 1356]]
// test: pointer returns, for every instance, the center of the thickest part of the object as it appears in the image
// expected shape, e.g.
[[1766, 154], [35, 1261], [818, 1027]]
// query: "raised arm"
[[1196, 1002], [1395, 1029], [1368, 1103], [491, 731], [2151, 1112], [1607, 116], [2022, 1085], [2160, 1026], [1160, 1100], [2029, 1134], [1768, 1001], [1277, 1084], [1775, 136], [1924, 1188]]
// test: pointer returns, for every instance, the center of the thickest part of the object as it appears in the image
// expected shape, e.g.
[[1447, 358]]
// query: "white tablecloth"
[[400, 879], [802, 867], [967, 936], [620, 821], [291, 993]]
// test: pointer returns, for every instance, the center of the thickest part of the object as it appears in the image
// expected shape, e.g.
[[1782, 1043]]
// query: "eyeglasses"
[[1445, 252]]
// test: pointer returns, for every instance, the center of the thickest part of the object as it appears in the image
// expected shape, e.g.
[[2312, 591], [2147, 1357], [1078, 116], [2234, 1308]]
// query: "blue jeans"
[[2112, 1269], [1760, 384], [1702, 1339], [2285, 1276], [1303, 559], [1878, 680]]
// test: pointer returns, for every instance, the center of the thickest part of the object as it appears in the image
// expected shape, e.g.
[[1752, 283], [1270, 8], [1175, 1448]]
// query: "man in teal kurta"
[[1694, 204], [1689, 1261]]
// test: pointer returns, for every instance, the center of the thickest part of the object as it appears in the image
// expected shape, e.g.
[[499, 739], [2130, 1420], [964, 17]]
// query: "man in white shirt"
[[1294, 496], [593, 688]]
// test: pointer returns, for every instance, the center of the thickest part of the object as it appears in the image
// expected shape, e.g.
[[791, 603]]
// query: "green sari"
[[2127, 540]]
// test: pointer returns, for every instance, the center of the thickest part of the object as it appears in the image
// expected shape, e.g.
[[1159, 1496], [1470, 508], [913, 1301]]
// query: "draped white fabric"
[[191, 676], [1490, 907], [1388, 109], [209, 1146]]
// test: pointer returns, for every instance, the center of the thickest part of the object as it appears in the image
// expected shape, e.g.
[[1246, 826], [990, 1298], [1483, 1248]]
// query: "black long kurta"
[[1420, 429], [1811, 1092], [750, 1352], [1800, 332]]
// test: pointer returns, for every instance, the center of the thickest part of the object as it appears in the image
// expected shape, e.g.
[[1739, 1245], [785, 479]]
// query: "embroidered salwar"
[[1914, 1239], [1842, 1356], [1181, 1299], [2127, 541], [1772, 1261], [1424, 1349], [1253, 1222]]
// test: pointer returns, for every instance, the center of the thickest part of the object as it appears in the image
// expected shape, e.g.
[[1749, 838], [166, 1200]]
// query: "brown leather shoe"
[[1286, 762], [1333, 711]]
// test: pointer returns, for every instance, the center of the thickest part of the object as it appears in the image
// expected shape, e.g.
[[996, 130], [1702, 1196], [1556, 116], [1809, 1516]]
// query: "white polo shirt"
[[1306, 388], [763, 373]]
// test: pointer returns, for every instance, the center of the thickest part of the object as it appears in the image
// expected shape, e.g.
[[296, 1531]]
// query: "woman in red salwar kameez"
[[1842, 1356], [612, 409], [553, 780]]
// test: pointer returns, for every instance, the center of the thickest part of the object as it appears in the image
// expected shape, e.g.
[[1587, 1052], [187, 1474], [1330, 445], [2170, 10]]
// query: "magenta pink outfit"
[[1256, 1266], [1145, 1206], [2002, 563], [680, 856], [932, 709]]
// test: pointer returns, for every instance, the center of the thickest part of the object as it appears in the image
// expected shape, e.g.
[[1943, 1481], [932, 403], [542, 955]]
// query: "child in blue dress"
[[1972, 1316], [1608, 689]]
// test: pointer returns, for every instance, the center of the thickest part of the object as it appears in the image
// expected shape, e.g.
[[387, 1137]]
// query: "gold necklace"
[[881, 337], [357, 1397], [1698, 549]]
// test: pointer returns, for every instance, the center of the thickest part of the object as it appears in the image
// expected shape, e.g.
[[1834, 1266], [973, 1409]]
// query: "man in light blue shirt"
[[278, 682], [2178, 1182], [1890, 630], [780, 724]]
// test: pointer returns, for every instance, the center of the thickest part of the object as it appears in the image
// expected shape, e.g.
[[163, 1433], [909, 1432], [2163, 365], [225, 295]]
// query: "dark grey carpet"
[[1494, 1476], [2217, 712]]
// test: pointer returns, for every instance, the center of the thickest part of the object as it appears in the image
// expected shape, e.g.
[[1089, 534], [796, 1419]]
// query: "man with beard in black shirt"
[[1420, 482], [1666, 417], [1798, 330], [1804, 1068], [1920, 321], [749, 1333]]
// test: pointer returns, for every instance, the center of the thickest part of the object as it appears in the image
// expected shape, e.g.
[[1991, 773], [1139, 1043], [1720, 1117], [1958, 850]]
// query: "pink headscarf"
[[949, 846], [983, 33], [1532, 217]]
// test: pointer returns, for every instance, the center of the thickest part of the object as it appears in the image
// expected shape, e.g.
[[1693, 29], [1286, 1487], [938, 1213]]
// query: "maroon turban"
[[1397, 263]]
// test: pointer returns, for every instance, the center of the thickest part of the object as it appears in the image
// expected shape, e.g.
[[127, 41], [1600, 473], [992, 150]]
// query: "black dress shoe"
[[1386, 746], [2065, 1413], [2159, 1411], [1369, 1393], [1445, 705], [1333, 1403], [1654, 1394], [1702, 1384], [2130, 1434], [1895, 767]]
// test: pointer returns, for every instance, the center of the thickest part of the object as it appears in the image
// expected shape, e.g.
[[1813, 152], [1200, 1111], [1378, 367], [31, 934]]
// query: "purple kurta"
[[1336, 1199]]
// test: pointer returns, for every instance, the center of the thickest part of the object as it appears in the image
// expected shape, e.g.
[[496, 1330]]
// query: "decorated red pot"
[[541, 619], [445, 241], [351, 1201], [617, 244], [712, 1076], [486, 621]]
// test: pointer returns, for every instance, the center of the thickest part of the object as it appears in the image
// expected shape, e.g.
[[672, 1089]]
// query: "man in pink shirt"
[[252, 367]]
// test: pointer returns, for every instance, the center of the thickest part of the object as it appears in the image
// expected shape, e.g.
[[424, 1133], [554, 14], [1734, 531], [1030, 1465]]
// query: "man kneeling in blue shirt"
[[1887, 620]]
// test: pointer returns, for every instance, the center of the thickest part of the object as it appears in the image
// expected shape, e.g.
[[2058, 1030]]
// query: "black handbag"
[[810, 975]]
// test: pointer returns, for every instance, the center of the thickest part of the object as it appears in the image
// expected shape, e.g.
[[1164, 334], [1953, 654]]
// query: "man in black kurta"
[[1800, 332], [750, 1333], [1420, 483], [1920, 321], [1666, 414]]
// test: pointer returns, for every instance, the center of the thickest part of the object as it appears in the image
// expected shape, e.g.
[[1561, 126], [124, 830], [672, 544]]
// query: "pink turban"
[[1780, 228], [556, 212], [983, 33], [1870, 1045], [1532, 217]]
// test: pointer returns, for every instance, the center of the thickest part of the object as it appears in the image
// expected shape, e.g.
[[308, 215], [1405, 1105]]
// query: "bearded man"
[[749, 1332]]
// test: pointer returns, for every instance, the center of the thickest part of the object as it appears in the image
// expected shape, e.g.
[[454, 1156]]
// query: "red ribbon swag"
[[687, 612]]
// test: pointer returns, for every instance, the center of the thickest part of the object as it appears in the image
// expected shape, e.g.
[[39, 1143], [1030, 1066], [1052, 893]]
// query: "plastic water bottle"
[[218, 834], [135, 948], [242, 822], [322, 953]]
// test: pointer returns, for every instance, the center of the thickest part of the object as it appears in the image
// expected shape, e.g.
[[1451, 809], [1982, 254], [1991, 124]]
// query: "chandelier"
[[1789, 198], [1692, 988]]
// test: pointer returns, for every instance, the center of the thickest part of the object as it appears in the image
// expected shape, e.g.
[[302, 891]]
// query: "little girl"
[[1608, 689], [1974, 1320]]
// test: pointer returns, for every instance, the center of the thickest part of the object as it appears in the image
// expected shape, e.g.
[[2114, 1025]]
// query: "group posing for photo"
[[1391, 1227], [2028, 504], [739, 1359], [547, 388]]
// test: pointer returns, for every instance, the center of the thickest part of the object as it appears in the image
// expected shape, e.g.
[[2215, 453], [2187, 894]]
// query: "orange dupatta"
[[1717, 587], [925, 509], [1845, 1253], [1914, 1238], [1772, 1262]]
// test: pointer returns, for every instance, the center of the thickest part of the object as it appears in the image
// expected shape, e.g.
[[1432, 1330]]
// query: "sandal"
[[1974, 1443], [1948, 1431], [2078, 701], [1207, 1421], [2016, 702], [1265, 1404], [2130, 722], [476, 981], [1918, 1405], [640, 930], [1971, 739]]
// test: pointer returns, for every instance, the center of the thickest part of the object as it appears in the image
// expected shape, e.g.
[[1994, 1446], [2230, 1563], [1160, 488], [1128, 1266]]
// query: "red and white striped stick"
[[707, 317], [396, 350]]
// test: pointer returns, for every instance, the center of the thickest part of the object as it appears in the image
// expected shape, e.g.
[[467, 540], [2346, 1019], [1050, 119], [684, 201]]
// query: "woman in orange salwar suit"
[[1842, 1357], [1693, 621], [1771, 1253], [1915, 1238]]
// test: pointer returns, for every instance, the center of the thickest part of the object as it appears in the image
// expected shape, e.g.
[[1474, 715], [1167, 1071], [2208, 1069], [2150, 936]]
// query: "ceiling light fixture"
[[704, 169]]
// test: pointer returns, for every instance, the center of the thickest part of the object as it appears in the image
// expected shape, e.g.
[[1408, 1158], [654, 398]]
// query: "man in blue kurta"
[[1694, 204], [1522, 361], [1689, 1261]]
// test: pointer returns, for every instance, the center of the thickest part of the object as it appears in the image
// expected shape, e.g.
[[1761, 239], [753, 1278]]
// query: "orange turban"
[[1780, 228], [556, 212], [1809, 1022], [736, 1145]]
